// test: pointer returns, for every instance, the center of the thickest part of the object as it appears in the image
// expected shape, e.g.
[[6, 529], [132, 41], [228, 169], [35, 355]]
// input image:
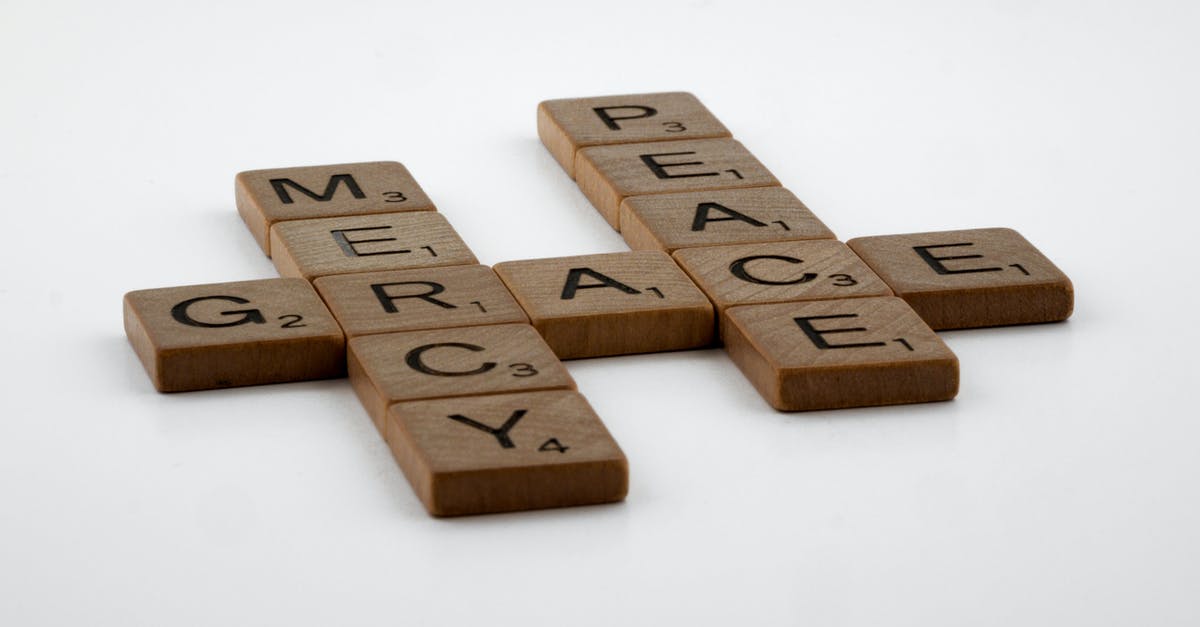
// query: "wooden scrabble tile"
[[609, 174], [265, 197], [441, 363], [669, 222], [777, 272], [830, 354], [611, 304], [425, 298], [200, 337], [568, 124], [971, 278], [507, 452], [386, 241]]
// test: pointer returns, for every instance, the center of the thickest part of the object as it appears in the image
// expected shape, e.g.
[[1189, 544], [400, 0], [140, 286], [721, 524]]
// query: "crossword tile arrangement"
[[459, 365]]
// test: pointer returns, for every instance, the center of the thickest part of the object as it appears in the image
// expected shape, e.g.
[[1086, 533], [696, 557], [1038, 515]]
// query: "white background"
[[1060, 488]]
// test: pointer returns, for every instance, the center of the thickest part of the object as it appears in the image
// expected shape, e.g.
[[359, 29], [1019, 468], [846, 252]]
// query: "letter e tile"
[[831, 354], [971, 278]]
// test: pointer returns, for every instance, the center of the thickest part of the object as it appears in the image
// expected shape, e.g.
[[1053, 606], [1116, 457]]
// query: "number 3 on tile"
[[521, 370]]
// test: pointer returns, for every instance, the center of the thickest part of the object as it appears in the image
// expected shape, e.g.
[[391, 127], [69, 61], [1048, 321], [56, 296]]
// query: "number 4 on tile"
[[553, 445]]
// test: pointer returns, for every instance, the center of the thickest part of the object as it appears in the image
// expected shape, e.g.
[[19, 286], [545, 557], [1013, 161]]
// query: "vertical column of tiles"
[[412, 300], [611, 304], [970, 278], [607, 175], [265, 197], [840, 353], [219, 335], [344, 245], [499, 453], [779, 272], [668, 222], [468, 361], [567, 125]]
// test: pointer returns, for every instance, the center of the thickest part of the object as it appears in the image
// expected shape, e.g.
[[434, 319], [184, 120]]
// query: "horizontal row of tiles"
[[641, 301]]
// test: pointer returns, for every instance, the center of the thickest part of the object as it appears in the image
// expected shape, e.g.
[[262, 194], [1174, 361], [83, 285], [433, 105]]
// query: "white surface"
[[1058, 489]]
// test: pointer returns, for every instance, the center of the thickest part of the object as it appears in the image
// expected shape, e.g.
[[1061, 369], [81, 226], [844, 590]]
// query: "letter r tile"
[[411, 300], [468, 361], [970, 278]]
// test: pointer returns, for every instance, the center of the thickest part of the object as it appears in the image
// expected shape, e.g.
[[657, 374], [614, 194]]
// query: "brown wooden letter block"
[[392, 241], [830, 354], [265, 197], [441, 363], [971, 278], [569, 124], [507, 452], [779, 272], [411, 300], [668, 222], [611, 304], [221, 335], [609, 174]]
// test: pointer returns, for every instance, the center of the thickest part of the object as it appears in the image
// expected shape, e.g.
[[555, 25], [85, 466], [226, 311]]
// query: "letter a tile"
[[568, 124], [221, 335], [507, 452], [441, 363], [971, 278], [611, 304], [609, 174], [735, 216], [265, 197], [832, 354]]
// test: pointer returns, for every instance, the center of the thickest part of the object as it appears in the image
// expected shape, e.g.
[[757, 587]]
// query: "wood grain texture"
[[442, 363], [219, 335], [833, 354], [777, 272], [265, 197], [425, 298], [970, 278], [508, 452], [608, 175], [568, 124], [611, 304], [669, 222], [371, 243]]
